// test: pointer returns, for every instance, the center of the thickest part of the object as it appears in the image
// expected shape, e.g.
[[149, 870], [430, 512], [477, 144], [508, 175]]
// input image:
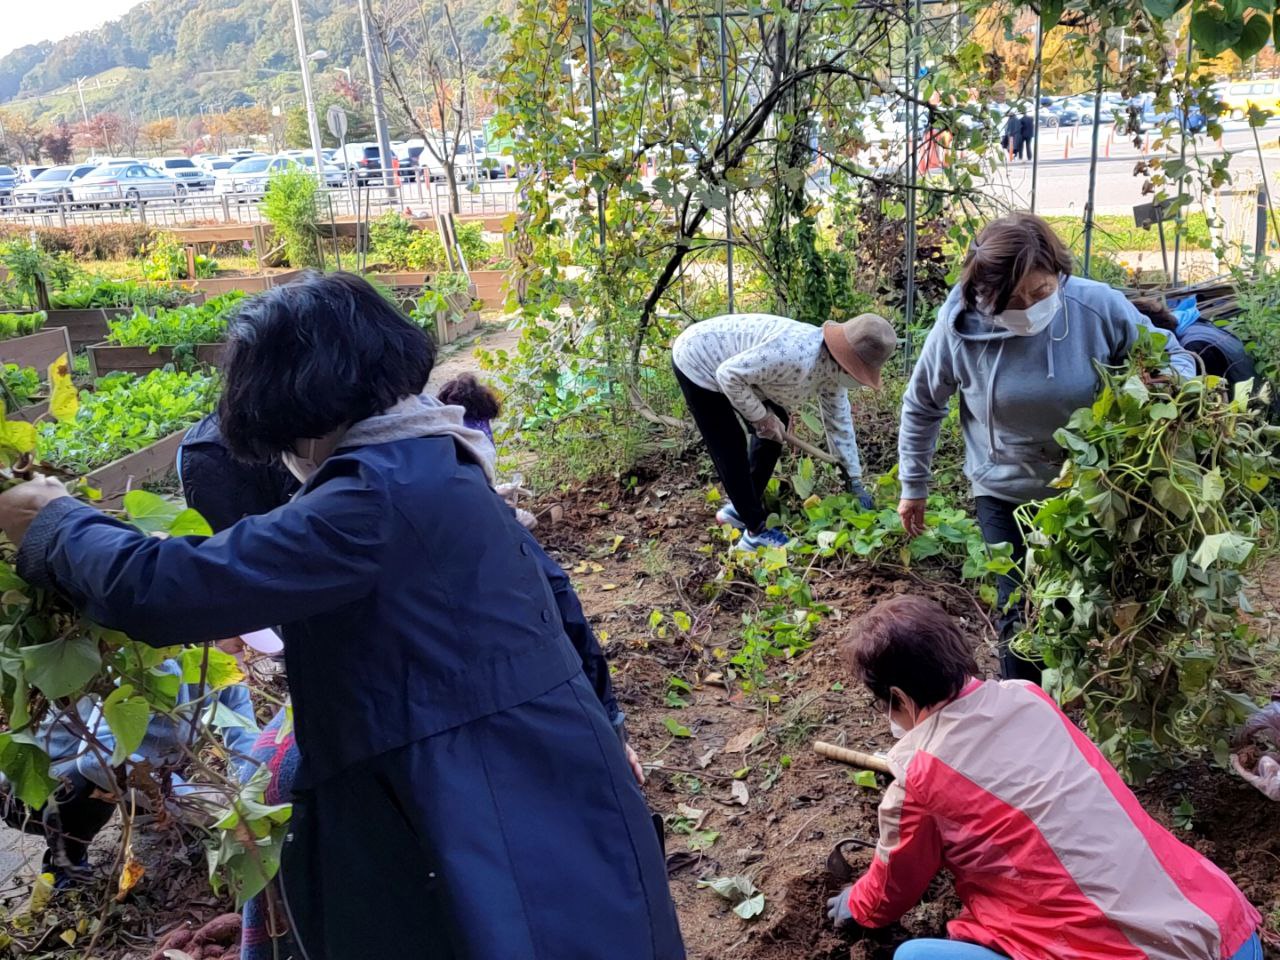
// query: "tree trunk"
[[451, 175]]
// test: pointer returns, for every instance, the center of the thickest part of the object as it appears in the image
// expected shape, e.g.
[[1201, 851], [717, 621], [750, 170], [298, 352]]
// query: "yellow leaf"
[[617, 542], [64, 400], [130, 874], [609, 586], [18, 436], [68, 937]]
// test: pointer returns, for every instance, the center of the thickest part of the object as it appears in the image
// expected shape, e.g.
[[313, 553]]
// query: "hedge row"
[[104, 241]]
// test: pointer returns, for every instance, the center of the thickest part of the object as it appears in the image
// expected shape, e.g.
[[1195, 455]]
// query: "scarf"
[[423, 416]]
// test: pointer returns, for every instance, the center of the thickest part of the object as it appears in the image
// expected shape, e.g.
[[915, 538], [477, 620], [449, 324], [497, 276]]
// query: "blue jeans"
[[960, 950]]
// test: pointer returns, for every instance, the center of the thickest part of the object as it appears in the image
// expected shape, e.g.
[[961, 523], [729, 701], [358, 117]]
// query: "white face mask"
[[895, 728], [302, 467], [1032, 320]]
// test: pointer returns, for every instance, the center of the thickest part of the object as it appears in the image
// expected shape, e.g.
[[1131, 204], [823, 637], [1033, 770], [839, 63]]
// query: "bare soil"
[[636, 547]]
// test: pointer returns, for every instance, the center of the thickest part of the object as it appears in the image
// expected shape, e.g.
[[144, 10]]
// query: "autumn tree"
[[55, 142], [426, 72], [22, 135], [158, 133]]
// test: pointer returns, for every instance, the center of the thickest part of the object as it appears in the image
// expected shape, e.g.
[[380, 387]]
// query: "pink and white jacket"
[[1053, 857]]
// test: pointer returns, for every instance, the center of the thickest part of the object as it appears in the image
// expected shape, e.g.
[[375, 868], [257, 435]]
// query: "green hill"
[[176, 57]]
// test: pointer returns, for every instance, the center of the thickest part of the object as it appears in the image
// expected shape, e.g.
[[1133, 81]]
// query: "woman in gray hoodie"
[[1017, 339]]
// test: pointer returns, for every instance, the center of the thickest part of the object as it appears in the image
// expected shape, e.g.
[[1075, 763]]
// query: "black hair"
[[910, 643], [310, 356], [1158, 313], [465, 391]]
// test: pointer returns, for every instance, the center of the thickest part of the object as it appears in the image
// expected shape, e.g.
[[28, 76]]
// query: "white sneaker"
[[726, 516]]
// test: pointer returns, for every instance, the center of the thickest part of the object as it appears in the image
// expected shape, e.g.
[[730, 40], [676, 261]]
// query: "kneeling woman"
[[1053, 856], [461, 793]]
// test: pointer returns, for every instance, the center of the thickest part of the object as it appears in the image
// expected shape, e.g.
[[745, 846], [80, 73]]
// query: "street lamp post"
[[304, 61]]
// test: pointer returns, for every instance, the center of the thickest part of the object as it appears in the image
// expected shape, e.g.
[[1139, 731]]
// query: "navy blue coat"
[[455, 759]]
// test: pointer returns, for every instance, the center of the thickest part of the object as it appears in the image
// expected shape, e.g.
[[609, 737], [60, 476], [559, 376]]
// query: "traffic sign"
[[337, 120]]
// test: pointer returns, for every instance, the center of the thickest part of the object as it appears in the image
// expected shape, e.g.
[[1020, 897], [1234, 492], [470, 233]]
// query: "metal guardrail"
[[362, 200]]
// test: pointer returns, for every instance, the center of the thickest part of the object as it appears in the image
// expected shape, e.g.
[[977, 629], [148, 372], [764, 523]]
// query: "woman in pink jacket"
[[1053, 856]]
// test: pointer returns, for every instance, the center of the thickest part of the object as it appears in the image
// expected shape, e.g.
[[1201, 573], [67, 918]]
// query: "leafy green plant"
[[21, 385], [290, 205], [86, 292], [166, 259], [399, 243], [176, 326], [1137, 567], [32, 270], [1258, 323], [441, 299], [390, 236], [124, 414], [21, 324]]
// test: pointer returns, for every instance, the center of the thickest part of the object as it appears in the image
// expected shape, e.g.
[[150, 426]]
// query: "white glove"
[[1266, 777]]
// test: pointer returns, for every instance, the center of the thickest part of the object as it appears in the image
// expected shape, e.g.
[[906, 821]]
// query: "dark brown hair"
[[910, 643], [1158, 313], [1007, 251], [465, 391]]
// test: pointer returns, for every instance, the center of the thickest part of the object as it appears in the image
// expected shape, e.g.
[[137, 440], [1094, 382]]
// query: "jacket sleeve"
[[580, 634], [739, 373], [837, 419], [907, 858], [315, 554], [924, 407], [1180, 360]]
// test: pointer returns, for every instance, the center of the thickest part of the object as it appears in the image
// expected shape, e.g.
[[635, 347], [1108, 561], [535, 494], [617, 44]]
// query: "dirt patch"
[[647, 544]]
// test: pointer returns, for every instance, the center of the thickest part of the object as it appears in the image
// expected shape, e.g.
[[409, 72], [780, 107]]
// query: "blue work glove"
[[838, 908], [861, 494]]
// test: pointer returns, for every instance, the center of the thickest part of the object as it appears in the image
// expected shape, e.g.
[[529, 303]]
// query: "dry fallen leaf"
[[743, 741], [704, 761], [130, 874], [740, 793], [692, 813]]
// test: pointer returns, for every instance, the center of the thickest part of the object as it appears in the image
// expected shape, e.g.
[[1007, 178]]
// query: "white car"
[[216, 165], [184, 171], [247, 178], [127, 183], [51, 187]]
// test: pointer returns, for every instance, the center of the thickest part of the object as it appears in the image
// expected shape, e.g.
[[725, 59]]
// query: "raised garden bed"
[[37, 349], [213, 286], [90, 324], [134, 469], [490, 287], [107, 358]]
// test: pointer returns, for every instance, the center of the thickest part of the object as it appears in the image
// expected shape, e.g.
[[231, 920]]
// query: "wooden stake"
[[810, 449], [855, 758]]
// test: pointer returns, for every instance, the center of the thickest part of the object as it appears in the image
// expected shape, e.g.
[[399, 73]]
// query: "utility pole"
[[375, 88], [313, 125], [80, 90]]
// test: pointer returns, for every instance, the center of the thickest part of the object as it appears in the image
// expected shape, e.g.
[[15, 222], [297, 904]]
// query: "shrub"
[[1136, 568], [1258, 323], [290, 205], [390, 236], [177, 326], [107, 241], [30, 266], [397, 242], [166, 259]]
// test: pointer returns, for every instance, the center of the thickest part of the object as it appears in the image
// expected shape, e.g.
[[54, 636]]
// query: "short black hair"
[[913, 644], [310, 356], [478, 400]]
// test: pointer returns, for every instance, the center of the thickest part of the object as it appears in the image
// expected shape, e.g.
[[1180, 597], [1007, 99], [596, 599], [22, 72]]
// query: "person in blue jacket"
[[461, 792]]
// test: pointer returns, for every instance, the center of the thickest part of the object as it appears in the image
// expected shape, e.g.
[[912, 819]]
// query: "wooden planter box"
[[491, 287], [448, 330], [407, 278], [90, 325], [31, 412], [107, 358], [133, 470], [216, 286], [37, 349]]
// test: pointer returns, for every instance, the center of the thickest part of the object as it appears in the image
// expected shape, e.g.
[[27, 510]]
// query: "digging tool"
[[855, 758], [838, 868], [805, 447]]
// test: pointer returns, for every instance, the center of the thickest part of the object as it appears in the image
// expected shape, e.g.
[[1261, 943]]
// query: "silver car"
[[128, 183], [51, 187]]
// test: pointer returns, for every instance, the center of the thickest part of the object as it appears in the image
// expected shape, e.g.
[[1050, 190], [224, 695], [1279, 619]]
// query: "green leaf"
[[222, 670], [1163, 9], [1171, 497], [150, 512], [189, 523], [751, 907], [1213, 486], [1179, 571], [27, 767], [675, 727], [682, 620], [1050, 13], [61, 667], [1163, 411], [1256, 33], [865, 779], [1230, 548], [127, 716], [1212, 35]]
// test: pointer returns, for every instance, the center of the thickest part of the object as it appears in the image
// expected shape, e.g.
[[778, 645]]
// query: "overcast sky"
[[26, 21]]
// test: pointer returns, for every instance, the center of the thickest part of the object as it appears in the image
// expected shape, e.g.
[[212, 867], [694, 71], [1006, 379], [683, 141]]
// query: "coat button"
[[524, 549], [546, 616]]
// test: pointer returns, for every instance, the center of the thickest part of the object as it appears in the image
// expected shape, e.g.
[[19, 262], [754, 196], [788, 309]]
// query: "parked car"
[[246, 178], [29, 171], [127, 183], [363, 161], [243, 153], [1238, 98], [334, 175], [8, 180], [51, 187], [184, 171], [216, 165]]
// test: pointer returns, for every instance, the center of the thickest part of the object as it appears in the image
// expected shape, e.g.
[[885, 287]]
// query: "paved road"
[[1063, 176]]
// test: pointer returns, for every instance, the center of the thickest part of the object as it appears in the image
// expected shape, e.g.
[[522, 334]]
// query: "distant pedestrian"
[[1027, 127], [1013, 136]]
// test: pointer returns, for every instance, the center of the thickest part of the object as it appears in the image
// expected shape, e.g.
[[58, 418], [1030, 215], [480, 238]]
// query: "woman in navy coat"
[[462, 794]]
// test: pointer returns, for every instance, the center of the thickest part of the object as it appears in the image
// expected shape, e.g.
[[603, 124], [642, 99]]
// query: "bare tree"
[[426, 73]]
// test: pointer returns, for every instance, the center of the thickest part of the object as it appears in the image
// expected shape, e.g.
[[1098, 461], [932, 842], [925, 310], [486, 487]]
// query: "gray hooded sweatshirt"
[[1015, 392]]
